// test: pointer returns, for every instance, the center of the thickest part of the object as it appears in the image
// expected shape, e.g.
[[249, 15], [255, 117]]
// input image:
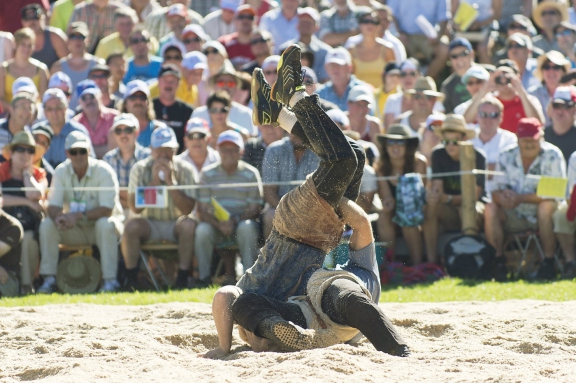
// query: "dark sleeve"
[[481, 165], [447, 99], [437, 162]]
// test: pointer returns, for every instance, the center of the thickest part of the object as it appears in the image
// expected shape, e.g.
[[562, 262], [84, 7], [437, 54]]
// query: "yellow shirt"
[[113, 44], [381, 98], [184, 93]]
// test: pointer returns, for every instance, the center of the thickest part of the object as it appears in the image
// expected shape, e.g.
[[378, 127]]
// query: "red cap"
[[529, 128]]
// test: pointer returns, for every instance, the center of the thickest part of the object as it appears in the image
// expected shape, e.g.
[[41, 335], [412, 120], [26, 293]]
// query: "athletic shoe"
[[289, 76], [547, 271], [500, 271], [109, 286], [569, 270], [48, 287], [265, 111], [287, 335]]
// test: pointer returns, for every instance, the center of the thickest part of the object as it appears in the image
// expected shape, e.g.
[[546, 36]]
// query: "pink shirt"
[[99, 134]]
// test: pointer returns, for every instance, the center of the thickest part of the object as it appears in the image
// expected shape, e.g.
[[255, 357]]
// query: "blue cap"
[[460, 42], [60, 79], [83, 85], [230, 136], [163, 137], [24, 84]]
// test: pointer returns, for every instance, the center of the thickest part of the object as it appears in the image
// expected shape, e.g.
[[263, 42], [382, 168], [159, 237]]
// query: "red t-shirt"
[[239, 54], [10, 19], [513, 112]]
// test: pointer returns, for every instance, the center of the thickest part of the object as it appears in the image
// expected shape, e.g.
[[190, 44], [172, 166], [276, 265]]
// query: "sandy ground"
[[511, 341]]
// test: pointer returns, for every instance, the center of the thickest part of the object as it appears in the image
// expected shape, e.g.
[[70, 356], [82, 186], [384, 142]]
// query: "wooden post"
[[468, 182]]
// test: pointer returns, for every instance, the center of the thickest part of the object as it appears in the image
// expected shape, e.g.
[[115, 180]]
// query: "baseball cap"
[[361, 93], [230, 4], [475, 71], [84, 85], [163, 137], [230, 136], [60, 80], [54, 93], [338, 117], [564, 95], [271, 60], [197, 125], [529, 127], [339, 56], [391, 67], [196, 29], [177, 10], [79, 27], [22, 96], [76, 139], [173, 44], [310, 12], [31, 12], [310, 74], [169, 70], [24, 84], [216, 45], [43, 128], [194, 60], [245, 8], [136, 86], [520, 39], [434, 118], [460, 42], [126, 119], [410, 64]]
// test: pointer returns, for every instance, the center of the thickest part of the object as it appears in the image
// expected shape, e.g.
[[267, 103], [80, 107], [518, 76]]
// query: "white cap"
[[136, 86], [60, 80], [196, 29], [434, 118], [173, 44], [24, 84], [126, 119], [339, 56], [54, 93], [231, 136], [76, 139], [92, 91], [194, 60], [163, 137], [361, 93], [310, 12], [339, 117], [271, 60], [565, 94], [177, 10], [197, 125]]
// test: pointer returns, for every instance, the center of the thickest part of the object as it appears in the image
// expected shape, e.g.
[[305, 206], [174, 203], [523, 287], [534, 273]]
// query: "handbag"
[[29, 218]]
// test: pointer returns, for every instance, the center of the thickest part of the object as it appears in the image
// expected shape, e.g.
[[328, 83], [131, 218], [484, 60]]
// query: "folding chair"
[[148, 249], [522, 242]]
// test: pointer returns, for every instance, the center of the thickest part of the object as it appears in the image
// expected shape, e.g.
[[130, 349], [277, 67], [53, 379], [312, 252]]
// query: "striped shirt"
[[234, 200], [114, 159], [157, 25], [141, 175]]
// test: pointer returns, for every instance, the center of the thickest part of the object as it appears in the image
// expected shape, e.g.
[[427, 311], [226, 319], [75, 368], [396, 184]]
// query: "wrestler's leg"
[[345, 303]]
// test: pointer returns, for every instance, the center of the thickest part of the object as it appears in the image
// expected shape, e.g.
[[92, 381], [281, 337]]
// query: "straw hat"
[[427, 86], [554, 57], [78, 275], [455, 123], [397, 132], [227, 68], [24, 138], [559, 5]]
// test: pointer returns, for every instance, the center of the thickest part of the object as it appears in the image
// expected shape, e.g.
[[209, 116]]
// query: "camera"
[[502, 80]]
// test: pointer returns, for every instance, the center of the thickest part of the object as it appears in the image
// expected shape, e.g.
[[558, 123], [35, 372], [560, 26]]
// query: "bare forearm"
[[184, 203], [54, 212], [530, 109]]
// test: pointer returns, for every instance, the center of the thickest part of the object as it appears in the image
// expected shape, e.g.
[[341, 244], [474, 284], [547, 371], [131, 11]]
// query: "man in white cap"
[[221, 22], [128, 152], [308, 25], [281, 22], [561, 132], [360, 101], [473, 79], [81, 217], [519, 49], [177, 18], [237, 43], [339, 68], [193, 37], [54, 103], [194, 68], [243, 204], [156, 22], [270, 68], [172, 223], [198, 151], [97, 119], [261, 45]]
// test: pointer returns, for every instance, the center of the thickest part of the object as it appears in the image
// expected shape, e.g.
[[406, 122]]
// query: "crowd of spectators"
[[101, 98]]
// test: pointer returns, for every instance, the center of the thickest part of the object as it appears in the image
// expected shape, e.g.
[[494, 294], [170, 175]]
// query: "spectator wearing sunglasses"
[[561, 132], [444, 194], [96, 118], [519, 49], [128, 152], [78, 62], [100, 74], [43, 134], [219, 108], [173, 54], [238, 44], [87, 217], [216, 56], [518, 24], [193, 38], [461, 57], [261, 45], [143, 66], [566, 36], [198, 151], [549, 71], [547, 15], [58, 80]]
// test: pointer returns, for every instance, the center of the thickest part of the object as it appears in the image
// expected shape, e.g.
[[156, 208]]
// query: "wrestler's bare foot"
[[216, 353]]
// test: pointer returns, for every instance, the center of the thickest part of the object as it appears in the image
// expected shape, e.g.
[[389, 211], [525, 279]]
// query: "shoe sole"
[[278, 67], [291, 338]]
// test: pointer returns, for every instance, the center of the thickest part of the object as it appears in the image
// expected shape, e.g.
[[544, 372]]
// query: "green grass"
[[445, 290]]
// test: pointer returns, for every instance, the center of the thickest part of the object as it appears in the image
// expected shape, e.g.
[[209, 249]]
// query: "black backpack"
[[470, 257]]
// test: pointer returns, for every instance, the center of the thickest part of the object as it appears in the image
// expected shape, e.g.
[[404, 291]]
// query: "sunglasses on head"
[[226, 84], [219, 110], [394, 142], [461, 54], [474, 82], [196, 136], [175, 57], [558, 105], [450, 142], [23, 149], [87, 97], [137, 41], [126, 130], [139, 97], [369, 21], [76, 36], [408, 74], [192, 40], [75, 152], [258, 41], [488, 115], [211, 51], [551, 67]]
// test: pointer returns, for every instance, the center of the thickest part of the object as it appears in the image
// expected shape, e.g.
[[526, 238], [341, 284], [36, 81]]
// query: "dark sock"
[[182, 278], [132, 275]]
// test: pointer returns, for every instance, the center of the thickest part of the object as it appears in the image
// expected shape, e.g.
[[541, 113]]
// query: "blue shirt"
[[56, 154], [281, 28], [362, 263], [406, 12], [145, 135], [326, 92], [144, 73], [320, 49]]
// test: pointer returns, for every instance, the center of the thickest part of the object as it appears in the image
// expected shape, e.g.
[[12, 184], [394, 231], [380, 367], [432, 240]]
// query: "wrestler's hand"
[[217, 353]]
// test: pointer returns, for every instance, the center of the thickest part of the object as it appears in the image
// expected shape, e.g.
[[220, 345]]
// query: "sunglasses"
[[488, 115], [126, 130], [226, 84], [219, 110], [139, 97], [472, 82], [75, 152], [137, 41], [23, 149], [211, 51], [421, 96], [392, 142], [76, 37], [408, 74], [192, 40], [450, 142], [244, 17], [87, 97], [461, 54], [175, 57], [196, 136], [258, 41], [369, 21], [549, 13], [562, 106], [551, 67]]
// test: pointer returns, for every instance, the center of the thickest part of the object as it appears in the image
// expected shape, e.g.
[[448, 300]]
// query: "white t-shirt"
[[394, 105], [492, 148]]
